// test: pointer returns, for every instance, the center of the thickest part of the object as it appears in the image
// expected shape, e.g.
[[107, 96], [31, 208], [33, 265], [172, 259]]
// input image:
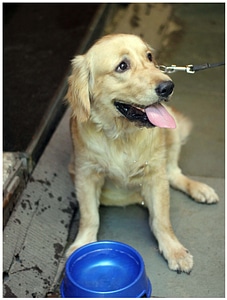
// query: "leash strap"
[[206, 66], [191, 69]]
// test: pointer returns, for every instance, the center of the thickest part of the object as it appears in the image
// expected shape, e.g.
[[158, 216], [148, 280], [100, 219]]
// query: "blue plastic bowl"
[[105, 269]]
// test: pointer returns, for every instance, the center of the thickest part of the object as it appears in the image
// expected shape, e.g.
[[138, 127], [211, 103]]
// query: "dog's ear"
[[78, 90]]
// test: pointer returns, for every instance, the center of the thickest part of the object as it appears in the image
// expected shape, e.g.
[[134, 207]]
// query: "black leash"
[[206, 66], [189, 68]]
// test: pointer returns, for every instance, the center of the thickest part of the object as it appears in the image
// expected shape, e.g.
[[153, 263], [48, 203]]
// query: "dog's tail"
[[184, 124], [185, 129]]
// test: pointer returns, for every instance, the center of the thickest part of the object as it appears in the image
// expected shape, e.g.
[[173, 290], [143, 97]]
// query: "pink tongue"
[[158, 116]]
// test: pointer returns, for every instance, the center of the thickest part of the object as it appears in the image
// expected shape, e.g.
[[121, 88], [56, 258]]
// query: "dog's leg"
[[156, 198], [199, 191], [88, 189]]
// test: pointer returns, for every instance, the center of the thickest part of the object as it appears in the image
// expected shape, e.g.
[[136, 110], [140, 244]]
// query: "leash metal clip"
[[191, 69], [174, 68]]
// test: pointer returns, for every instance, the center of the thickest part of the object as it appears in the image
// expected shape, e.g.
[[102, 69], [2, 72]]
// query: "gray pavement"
[[38, 230]]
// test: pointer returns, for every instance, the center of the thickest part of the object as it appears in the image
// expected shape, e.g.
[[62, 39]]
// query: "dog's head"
[[117, 82]]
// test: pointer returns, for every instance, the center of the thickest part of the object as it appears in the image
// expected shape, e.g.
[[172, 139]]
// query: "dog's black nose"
[[164, 89]]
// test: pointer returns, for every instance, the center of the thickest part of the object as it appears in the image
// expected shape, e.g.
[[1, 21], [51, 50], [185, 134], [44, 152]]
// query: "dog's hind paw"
[[204, 194]]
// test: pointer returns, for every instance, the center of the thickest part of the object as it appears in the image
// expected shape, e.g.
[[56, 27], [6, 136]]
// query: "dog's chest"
[[126, 166], [127, 161]]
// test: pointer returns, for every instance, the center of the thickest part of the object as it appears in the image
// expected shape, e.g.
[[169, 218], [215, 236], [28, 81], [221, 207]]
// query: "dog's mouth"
[[154, 115]]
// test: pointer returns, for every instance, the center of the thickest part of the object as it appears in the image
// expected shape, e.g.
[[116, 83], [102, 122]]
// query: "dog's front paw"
[[203, 193], [71, 249], [181, 261], [179, 258], [76, 245]]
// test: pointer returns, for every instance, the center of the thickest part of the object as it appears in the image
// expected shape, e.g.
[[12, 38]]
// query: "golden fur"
[[116, 162]]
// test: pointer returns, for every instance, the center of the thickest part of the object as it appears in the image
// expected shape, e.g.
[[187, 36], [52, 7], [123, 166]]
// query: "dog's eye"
[[122, 67], [149, 56]]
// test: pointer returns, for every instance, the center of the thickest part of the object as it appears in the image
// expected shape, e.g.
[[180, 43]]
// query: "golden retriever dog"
[[127, 141]]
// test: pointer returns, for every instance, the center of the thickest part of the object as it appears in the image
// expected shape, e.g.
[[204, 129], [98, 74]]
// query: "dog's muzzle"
[[154, 115]]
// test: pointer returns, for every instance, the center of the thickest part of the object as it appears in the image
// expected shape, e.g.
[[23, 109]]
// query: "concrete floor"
[[201, 96], [38, 230]]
